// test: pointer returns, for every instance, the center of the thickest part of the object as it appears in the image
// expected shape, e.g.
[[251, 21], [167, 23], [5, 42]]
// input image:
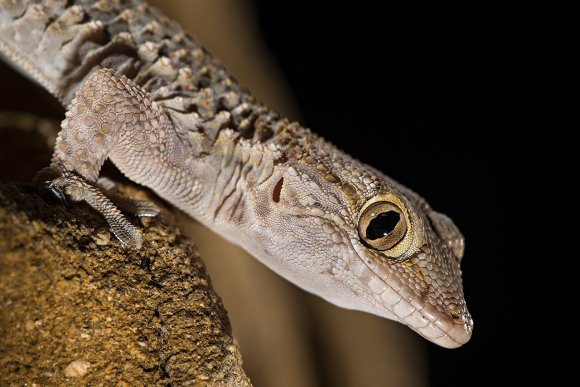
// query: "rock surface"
[[78, 307]]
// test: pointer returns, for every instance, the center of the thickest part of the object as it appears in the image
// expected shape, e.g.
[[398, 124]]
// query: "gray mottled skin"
[[144, 94]]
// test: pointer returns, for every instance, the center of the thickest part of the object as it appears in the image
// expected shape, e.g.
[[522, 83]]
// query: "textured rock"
[[77, 307]]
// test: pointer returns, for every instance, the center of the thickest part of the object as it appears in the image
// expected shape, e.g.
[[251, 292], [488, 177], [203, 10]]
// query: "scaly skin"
[[147, 96]]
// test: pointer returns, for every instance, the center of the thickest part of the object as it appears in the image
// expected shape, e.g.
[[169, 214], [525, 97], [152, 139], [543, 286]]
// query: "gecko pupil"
[[382, 224]]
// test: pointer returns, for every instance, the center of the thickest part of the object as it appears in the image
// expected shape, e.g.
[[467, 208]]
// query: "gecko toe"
[[144, 208], [135, 207], [126, 233]]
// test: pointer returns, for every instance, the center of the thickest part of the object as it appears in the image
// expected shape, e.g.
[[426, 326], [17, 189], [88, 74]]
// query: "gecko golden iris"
[[145, 95]]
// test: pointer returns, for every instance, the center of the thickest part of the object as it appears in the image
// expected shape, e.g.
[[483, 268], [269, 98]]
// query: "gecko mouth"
[[397, 301]]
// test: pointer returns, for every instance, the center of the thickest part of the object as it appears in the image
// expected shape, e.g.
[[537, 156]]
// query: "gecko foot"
[[64, 185], [138, 208]]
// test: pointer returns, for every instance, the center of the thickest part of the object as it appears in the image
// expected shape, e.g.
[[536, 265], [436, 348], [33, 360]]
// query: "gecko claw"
[[49, 191]]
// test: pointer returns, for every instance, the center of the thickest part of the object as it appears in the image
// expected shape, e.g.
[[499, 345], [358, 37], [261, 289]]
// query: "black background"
[[471, 105]]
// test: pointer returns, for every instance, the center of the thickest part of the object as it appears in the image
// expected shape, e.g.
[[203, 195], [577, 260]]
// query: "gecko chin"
[[399, 303], [385, 292], [422, 289], [449, 326]]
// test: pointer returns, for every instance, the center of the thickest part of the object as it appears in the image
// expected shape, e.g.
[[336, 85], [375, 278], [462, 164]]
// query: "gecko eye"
[[382, 225]]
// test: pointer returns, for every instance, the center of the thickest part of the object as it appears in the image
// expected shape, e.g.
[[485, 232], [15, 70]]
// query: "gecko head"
[[362, 241], [411, 265]]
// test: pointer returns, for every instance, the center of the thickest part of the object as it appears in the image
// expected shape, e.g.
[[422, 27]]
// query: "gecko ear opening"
[[277, 190]]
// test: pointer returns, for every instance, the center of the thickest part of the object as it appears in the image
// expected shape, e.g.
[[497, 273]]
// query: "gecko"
[[144, 94]]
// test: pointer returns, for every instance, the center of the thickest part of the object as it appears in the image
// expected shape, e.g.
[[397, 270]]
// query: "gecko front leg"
[[69, 185], [108, 116]]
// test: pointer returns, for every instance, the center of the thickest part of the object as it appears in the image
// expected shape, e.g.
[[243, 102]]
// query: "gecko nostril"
[[277, 190]]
